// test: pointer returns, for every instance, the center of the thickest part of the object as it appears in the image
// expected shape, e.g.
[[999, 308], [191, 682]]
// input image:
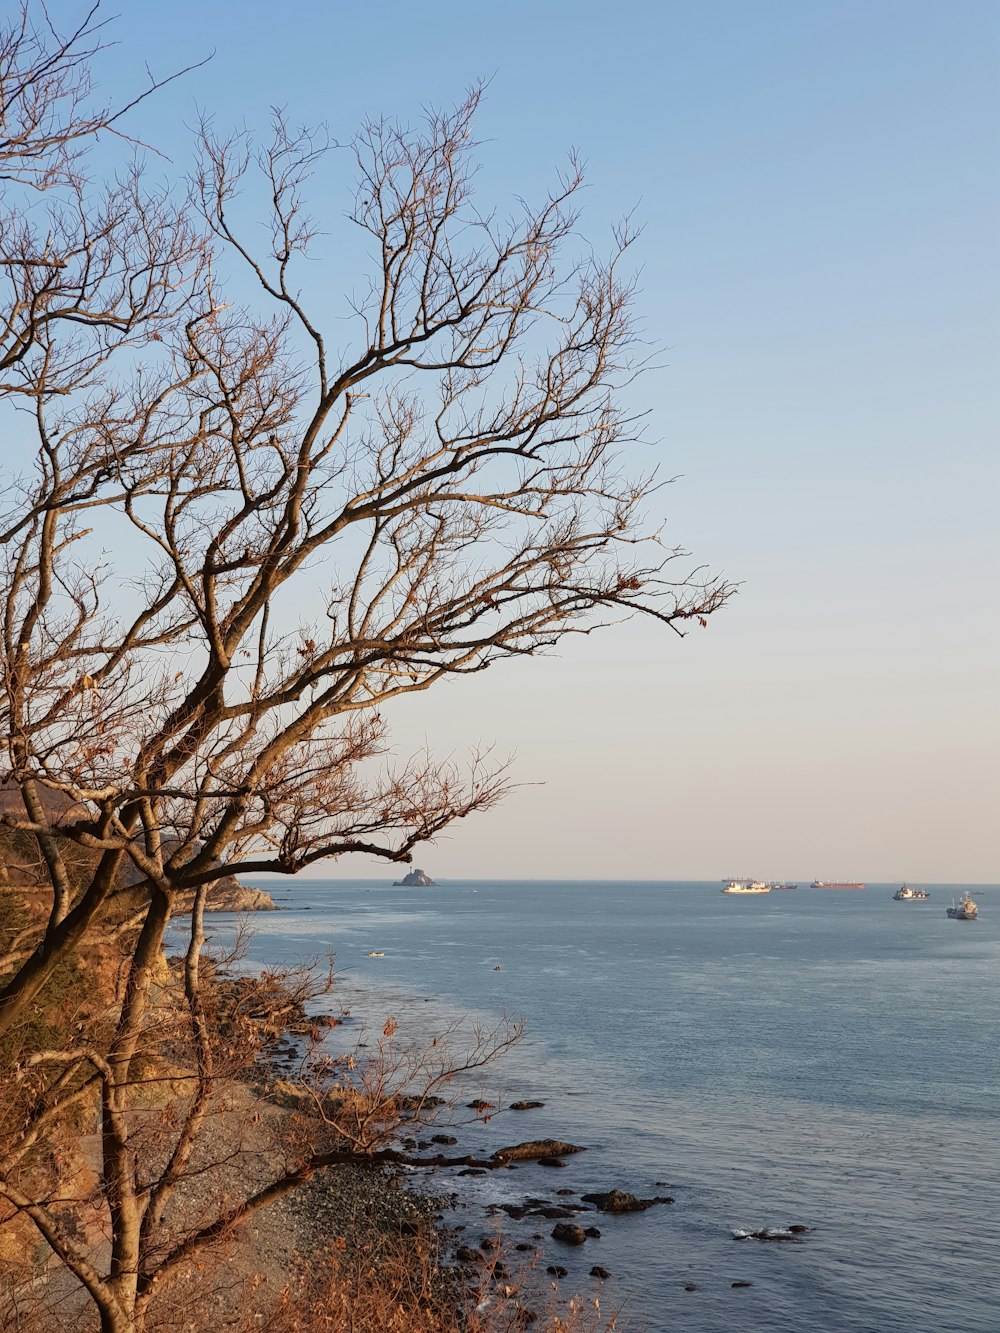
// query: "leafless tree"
[[185, 470]]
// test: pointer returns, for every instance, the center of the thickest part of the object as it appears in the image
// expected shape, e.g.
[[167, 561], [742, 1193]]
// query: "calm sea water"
[[818, 1057]]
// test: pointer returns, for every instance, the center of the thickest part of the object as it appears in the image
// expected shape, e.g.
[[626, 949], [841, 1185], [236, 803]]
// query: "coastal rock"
[[465, 1254], [616, 1201], [480, 1105], [770, 1233], [525, 1106], [551, 1161], [533, 1208], [593, 1232], [325, 1021], [229, 895], [556, 1270], [443, 1138], [416, 879], [598, 1271], [535, 1148], [569, 1233], [741, 1284], [406, 1103]]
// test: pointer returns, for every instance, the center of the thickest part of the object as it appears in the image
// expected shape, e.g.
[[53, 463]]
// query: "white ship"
[[747, 886], [905, 894]]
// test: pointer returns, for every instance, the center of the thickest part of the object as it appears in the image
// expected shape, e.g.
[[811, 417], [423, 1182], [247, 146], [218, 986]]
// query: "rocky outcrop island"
[[416, 879], [229, 895]]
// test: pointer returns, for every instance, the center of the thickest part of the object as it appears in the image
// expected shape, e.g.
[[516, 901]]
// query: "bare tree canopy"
[[185, 468]]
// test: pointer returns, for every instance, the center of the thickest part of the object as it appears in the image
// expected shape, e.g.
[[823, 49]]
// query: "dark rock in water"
[[525, 1106], [443, 1138], [569, 1233], [689, 1286], [416, 879], [741, 1284], [768, 1233], [598, 1271], [480, 1105], [524, 1246], [473, 1171], [535, 1148], [551, 1161], [565, 1191], [552, 1213], [616, 1201], [594, 1232], [325, 1021], [556, 1270], [797, 1228], [465, 1254]]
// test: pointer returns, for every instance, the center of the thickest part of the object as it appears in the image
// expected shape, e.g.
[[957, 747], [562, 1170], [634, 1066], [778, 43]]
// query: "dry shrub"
[[407, 1288]]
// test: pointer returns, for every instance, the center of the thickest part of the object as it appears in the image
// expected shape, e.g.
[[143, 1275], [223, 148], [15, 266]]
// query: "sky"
[[820, 198]]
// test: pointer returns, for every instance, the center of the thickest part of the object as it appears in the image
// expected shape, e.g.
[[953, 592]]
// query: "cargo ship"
[[964, 910], [834, 884]]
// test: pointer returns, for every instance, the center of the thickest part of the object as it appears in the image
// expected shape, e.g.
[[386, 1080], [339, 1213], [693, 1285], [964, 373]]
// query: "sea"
[[823, 1058]]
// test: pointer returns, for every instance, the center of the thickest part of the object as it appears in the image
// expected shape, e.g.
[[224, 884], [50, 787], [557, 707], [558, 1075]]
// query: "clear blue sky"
[[819, 188]]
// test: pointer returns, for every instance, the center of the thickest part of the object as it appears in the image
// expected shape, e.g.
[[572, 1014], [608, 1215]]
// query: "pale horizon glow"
[[820, 195]]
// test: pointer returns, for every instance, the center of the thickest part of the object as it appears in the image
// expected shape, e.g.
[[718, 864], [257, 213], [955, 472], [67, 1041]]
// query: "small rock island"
[[416, 879]]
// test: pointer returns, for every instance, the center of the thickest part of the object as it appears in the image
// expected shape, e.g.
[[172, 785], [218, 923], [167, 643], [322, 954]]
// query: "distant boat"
[[376, 953], [774, 884], [964, 910], [834, 884], [904, 894], [747, 886]]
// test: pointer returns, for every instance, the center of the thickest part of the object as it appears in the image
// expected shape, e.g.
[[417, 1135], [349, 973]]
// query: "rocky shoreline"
[[524, 1267], [229, 895]]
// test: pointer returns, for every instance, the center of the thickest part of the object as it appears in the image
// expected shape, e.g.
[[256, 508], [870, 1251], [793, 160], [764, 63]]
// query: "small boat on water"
[[376, 953], [747, 886], [964, 910], [904, 894]]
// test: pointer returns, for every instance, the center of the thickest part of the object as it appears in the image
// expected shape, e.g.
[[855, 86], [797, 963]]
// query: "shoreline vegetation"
[[361, 1243]]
